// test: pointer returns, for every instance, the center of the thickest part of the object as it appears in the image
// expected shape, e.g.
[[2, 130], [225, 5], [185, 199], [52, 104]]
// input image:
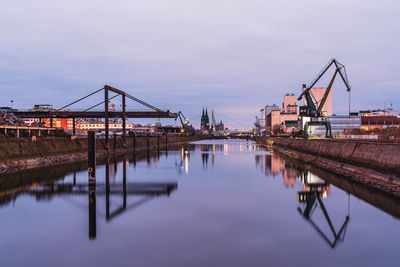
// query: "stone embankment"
[[19, 154], [373, 164]]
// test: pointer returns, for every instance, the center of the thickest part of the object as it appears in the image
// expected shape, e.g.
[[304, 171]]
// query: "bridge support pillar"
[[123, 120], [106, 115], [17, 133]]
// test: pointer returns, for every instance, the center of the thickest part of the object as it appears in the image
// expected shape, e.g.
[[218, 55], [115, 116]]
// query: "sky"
[[234, 57]]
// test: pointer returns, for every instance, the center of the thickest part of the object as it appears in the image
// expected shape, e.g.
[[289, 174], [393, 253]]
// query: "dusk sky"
[[231, 56]]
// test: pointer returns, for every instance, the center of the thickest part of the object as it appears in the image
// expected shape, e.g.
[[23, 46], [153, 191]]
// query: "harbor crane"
[[186, 126], [311, 113]]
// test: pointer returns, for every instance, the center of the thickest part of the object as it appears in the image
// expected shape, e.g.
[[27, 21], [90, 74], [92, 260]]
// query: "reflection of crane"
[[313, 109], [186, 126], [310, 198]]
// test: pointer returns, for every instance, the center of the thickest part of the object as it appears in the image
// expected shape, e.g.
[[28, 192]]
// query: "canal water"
[[209, 203]]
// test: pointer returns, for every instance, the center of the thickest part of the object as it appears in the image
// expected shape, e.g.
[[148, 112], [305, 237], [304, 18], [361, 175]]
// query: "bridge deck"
[[95, 114]]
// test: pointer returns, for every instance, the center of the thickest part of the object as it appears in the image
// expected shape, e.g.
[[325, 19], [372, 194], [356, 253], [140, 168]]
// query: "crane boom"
[[315, 108], [186, 126]]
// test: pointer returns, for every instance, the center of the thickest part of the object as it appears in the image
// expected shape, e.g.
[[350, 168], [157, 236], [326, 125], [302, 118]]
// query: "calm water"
[[214, 203]]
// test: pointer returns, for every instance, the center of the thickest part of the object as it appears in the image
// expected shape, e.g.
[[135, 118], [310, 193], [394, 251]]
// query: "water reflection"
[[208, 150], [314, 188], [54, 187], [307, 208]]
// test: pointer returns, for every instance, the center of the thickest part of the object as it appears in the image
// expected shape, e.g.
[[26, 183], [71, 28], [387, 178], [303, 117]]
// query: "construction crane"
[[313, 109], [186, 126]]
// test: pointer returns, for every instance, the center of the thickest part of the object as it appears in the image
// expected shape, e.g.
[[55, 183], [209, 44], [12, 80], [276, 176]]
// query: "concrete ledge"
[[326, 155], [26, 154], [377, 155]]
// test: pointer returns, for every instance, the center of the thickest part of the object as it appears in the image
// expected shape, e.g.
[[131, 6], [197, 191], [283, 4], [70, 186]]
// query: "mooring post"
[[134, 142], [106, 115], [92, 157], [92, 183], [115, 142], [73, 126], [166, 139], [148, 141], [158, 142]]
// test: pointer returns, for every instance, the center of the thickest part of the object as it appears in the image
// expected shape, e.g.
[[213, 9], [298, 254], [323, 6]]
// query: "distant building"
[[205, 121], [31, 121], [289, 103], [341, 123], [282, 119], [379, 122], [101, 126], [219, 126], [66, 124], [379, 112], [269, 108]]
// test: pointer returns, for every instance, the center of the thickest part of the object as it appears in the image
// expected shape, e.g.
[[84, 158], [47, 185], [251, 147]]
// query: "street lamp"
[[12, 101]]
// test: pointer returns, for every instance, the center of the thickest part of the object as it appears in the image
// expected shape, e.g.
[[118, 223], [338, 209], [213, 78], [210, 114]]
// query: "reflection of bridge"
[[145, 191], [153, 189]]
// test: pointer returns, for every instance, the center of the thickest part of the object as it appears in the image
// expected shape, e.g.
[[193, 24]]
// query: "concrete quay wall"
[[374, 155], [19, 153]]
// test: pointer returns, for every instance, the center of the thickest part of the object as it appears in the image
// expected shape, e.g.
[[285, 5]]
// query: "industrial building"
[[282, 119], [379, 122]]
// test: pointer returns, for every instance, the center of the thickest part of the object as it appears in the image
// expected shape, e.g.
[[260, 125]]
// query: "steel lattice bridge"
[[106, 114]]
